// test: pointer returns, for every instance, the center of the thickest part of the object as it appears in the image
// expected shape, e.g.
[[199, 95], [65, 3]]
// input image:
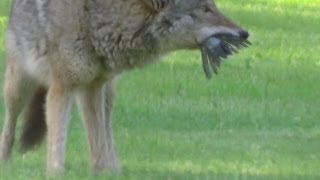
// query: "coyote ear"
[[157, 5]]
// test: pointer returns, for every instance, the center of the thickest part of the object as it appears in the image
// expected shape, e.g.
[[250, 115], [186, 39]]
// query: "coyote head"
[[139, 30], [193, 24], [188, 23]]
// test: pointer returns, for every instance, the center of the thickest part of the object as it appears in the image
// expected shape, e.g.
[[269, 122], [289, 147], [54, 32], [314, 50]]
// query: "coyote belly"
[[60, 50]]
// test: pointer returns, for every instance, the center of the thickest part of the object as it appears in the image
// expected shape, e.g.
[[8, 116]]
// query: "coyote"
[[57, 50]]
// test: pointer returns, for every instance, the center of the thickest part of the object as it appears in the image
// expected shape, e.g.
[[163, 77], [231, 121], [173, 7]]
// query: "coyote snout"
[[61, 50]]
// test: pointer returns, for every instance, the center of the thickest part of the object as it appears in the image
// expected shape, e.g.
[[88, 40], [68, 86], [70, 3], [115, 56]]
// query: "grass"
[[258, 119]]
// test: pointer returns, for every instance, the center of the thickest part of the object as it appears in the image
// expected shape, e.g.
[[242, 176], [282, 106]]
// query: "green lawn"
[[258, 119]]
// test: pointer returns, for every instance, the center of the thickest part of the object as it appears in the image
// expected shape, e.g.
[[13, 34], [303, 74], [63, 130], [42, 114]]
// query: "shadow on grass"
[[156, 174], [129, 173]]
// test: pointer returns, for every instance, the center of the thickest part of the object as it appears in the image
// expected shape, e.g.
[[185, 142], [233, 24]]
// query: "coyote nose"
[[244, 34]]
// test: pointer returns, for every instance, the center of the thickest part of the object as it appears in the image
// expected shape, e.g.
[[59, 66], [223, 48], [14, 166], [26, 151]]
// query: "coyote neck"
[[121, 32]]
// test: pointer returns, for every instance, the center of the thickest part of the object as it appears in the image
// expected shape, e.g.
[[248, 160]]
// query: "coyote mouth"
[[218, 47]]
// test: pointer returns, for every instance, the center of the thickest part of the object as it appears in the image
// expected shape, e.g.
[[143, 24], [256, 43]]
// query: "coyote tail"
[[34, 127]]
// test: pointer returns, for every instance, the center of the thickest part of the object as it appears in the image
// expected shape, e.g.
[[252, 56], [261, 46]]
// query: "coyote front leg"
[[109, 91], [92, 104], [58, 110]]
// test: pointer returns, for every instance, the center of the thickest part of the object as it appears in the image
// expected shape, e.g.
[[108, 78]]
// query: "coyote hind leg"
[[58, 107], [17, 88]]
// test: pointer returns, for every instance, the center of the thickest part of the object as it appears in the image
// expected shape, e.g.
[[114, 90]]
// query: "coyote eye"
[[205, 9]]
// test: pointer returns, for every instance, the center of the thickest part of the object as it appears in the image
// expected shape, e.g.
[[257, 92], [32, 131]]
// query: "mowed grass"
[[258, 119]]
